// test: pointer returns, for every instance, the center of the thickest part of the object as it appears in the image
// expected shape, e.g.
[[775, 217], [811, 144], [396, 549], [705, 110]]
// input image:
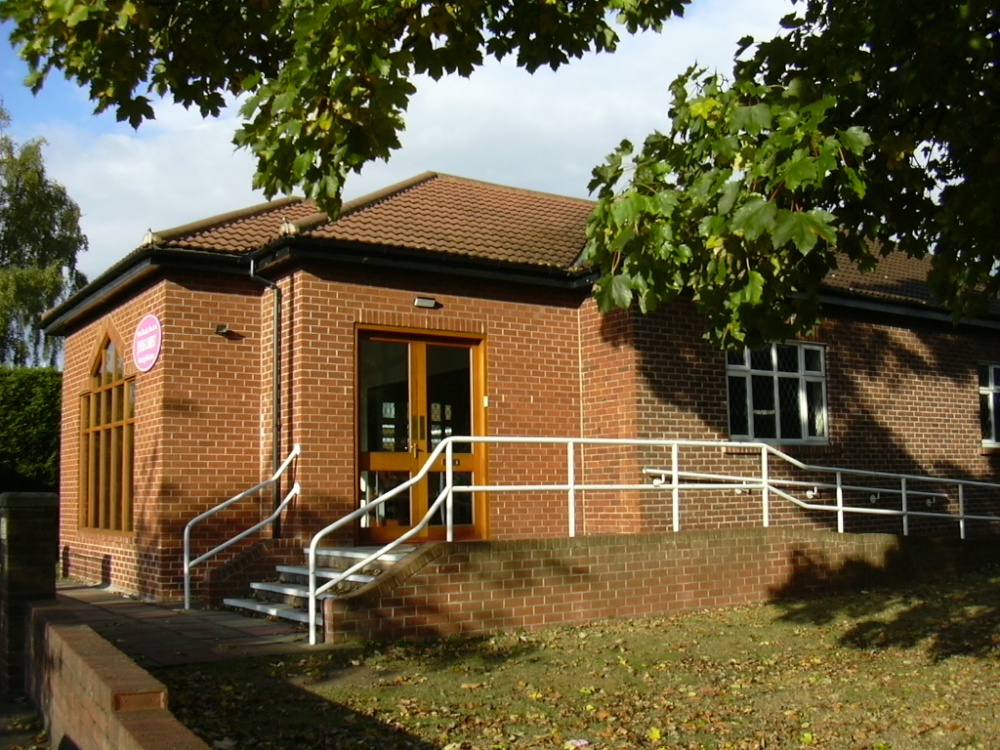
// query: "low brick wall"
[[482, 587], [92, 695]]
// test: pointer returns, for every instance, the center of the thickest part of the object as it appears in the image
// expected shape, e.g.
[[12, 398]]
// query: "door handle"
[[419, 425]]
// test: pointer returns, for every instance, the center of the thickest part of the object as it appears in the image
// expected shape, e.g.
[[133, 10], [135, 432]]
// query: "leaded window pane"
[[789, 409], [986, 417], [763, 407], [760, 359], [739, 419], [788, 358], [993, 415], [815, 411], [813, 360], [737, 358]]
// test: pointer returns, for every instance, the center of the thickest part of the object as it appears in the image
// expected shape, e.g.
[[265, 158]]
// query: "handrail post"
[[765, 491], [675, 481], [571, 484], [187, 572], [312, 593], [273, 480], [905, 507], [449, 501], [840, 503], [961, 511]]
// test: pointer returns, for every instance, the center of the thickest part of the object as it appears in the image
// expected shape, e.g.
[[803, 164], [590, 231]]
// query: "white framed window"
[[778, 393], [989, 403]]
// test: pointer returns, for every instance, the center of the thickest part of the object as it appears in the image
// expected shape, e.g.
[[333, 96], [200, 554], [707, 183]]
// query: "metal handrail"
[[270, 481], [446, 492], [673, 479]]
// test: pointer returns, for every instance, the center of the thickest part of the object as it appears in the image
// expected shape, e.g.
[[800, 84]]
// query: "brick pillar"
[[29, 546]]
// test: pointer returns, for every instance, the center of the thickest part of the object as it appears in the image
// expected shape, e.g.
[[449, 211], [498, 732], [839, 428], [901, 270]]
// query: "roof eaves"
[[128, 272], [911, 308], [410, 259]]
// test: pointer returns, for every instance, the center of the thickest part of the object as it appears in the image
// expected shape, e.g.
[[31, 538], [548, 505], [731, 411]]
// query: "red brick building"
[[444, 306]]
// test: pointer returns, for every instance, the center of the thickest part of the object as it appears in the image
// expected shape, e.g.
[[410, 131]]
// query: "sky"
[[545, 131]]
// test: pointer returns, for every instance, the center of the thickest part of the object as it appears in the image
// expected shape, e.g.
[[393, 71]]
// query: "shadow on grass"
[[946, 605], [255, 704], [266, 703]]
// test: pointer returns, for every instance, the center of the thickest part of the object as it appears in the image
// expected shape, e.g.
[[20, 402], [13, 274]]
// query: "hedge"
[[30, 401]]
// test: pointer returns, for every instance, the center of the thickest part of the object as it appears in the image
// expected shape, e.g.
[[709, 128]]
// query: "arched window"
[[107, 418]]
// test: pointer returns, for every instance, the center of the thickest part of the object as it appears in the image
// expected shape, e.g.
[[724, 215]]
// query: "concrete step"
[[303, 570], [360, 553], [291, 590], [296, 592], [284, 611]]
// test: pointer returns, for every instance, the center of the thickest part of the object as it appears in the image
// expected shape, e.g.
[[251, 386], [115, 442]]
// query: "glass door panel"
[[384, 428], [412, 394], [393, 512], [463, 508], [449, 394], [385, 397]]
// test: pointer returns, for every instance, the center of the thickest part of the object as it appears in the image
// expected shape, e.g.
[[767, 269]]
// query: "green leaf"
[[730, 192], [855, 140], [614, 292], [799, 169], [752, 119], [754, 218], [803, 229], [854, 180], [753, 291]]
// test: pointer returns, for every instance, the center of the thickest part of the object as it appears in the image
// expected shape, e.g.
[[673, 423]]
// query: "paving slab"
[[160, 635]]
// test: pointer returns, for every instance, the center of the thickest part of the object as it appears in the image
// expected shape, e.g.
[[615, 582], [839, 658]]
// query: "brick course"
[[92, 695]]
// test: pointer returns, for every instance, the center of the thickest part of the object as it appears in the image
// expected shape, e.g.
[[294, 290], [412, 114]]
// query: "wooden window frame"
[[107, 441]]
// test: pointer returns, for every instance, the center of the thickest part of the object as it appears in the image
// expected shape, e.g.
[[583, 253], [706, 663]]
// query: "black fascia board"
[[124, 275], [909, 310], [333, 252]]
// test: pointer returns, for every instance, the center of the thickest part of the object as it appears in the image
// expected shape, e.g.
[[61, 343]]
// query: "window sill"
[[117, 534], [989, 450]]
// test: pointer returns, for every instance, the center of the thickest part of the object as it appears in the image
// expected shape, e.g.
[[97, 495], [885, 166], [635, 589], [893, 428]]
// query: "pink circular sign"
[[146, 343]]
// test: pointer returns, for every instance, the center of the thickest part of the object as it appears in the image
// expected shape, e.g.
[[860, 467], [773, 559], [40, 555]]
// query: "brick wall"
[[532, 381], [28, 543], [92, 695], [197, 435], [478, 588], [900, 399]]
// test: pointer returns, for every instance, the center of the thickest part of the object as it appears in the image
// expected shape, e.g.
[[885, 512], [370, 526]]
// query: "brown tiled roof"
[[240, 231], [455, 216], [896, 278], [435, 213]]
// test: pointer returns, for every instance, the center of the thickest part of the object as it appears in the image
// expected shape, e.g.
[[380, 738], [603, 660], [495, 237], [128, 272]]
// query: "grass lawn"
[[881, 670]]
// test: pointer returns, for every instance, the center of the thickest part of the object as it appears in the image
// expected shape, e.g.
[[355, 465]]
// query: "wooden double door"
[[415, 390]]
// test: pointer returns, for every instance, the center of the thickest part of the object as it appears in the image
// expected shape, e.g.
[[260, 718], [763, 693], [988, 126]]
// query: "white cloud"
[[126, 184], [543, 132]]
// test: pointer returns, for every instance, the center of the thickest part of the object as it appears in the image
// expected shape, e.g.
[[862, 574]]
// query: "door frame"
[[476, 344]]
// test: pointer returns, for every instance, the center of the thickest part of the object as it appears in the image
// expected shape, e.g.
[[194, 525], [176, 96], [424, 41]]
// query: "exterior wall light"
[[427, 303]]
